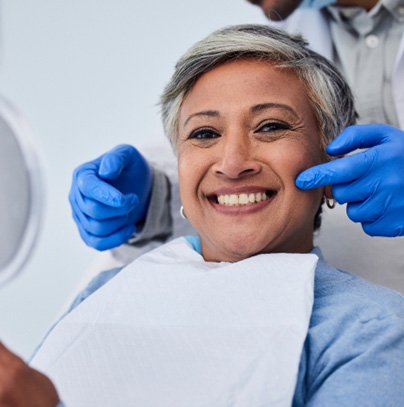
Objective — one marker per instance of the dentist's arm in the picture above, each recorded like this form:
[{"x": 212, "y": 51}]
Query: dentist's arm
[
  {"x": 22, "y": 386},
  {"x": 371, "y": 182},
  {"x": 110, "y": 196}
]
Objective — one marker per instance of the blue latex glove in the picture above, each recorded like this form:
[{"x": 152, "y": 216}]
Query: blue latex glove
[
  {"x": 371, "y": 182},
  {"x": 110, "y": 195}
]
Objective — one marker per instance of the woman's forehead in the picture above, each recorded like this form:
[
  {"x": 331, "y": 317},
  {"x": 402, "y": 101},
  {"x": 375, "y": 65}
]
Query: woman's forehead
[{"x": 243, "y": 84}]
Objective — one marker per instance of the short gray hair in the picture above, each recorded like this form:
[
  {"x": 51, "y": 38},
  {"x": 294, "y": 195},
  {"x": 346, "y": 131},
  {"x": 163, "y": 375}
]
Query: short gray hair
[{"x": 330, "y": 95}]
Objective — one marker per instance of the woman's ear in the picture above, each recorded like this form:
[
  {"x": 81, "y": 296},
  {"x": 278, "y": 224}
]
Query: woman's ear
[{"x": 329, "y": 199}]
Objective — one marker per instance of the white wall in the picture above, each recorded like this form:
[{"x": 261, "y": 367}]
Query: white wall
[{"x": 87, "y": 74}]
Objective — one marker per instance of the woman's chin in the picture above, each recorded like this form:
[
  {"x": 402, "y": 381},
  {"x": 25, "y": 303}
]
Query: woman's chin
[
  {"x": 232, "y": 247},
  {"x": 232, "y": 250}
]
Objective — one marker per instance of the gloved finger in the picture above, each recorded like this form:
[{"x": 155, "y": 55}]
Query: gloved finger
[
  {"x": 341, "y": 170},
  {"x": 369, "y": 210},
  {"x": 101, "y": 228},
  {"x": 383, "y": 227},
  {"x": 355, "y": 191},
  {"x": 99, "y": 211},
  {"x": 91, "y": 186},
  {"x": 359, "y": 136},
  {"x": 106, "y": 242},
  {"x": 115, "y": 161}
]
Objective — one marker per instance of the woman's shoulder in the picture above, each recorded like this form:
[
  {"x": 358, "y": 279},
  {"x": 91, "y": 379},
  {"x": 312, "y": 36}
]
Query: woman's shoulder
[
  {"x": 96, "y": 283},
  {"x": 344, "y": 292},
  {"x": 350, "y": 312},
  {"x": 355, "y": 345}
]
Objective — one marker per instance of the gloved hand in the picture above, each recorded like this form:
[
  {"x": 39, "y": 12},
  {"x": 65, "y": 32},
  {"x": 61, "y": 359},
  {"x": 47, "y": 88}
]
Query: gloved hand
[
  {"x": 110, "y": 195},
  {"x": 371, "y": 182}
]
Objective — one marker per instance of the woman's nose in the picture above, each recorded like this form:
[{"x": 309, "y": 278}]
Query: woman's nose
[{"x": 236, "y": 159}]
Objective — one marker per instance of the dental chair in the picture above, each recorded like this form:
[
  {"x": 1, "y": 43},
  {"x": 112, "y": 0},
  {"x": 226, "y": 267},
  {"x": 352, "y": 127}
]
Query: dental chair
[{"x": 20, "y": 192}]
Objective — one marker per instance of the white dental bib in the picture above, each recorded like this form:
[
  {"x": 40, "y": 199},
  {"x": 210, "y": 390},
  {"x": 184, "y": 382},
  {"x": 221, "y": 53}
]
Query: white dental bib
[{"x": 173, "y": 330}]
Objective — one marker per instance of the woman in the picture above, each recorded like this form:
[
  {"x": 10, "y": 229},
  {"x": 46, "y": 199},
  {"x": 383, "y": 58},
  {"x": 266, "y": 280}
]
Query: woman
[{"x": 247, "y": 109}]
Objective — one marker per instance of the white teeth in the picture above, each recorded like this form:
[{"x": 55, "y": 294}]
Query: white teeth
[
  {"x": 233, "y": 199},
  {"x": 241, "y": 199}
]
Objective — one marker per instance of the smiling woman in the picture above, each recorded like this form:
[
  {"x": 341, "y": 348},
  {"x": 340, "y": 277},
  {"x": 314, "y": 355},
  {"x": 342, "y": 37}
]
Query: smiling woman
[
  {"x": 232, "y": 316},
  {"x": 247, "y": 112},
  {"x": 251, "y": 147}
]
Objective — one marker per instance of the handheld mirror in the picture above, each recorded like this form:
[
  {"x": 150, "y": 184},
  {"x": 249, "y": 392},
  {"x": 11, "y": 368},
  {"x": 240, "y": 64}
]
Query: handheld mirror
[{"x": 20, "y": 192}]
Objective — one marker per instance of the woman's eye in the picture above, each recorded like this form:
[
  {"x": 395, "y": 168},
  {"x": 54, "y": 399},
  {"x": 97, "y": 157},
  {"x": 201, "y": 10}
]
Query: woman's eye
[
  {"x": 273, "y": 126},
  {"x": 203, "y": 134}
]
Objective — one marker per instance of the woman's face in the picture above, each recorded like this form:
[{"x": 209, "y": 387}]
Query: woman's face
[{"x": 246, "y": 129}]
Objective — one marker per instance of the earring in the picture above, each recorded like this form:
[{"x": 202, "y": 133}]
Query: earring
[
  {"x": 330, "y": 202},
  {"x": 182, "y": 213}
]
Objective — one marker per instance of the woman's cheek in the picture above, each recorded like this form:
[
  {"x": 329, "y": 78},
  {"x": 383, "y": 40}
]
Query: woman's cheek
[
  {"x": 303, "y": 158},
  {"x": 189, "y": 177},
  {"x": 182, "y": 178}
]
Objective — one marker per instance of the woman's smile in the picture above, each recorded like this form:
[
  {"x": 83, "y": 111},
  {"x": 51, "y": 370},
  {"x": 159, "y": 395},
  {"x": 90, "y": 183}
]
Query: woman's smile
[{"x": 241, "y": 200}]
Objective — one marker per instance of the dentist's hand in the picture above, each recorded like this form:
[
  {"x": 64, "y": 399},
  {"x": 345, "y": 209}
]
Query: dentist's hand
[
  {"x": 22, "y": 386},
  {"x": 371, "y": 182},
  {"x": 110, "y": 195}
]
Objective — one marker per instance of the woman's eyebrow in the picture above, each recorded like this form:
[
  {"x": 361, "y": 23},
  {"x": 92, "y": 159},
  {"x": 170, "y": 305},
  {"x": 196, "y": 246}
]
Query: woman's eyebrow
[
  {"x": 253, "y": 109},
  {"x": 208, "y": 113},
  {"x": 264, "y": 106}
]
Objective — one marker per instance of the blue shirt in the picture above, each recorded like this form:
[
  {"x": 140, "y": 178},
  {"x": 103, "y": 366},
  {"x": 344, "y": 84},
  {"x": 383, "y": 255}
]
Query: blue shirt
[{"x": 354, "y": 350}]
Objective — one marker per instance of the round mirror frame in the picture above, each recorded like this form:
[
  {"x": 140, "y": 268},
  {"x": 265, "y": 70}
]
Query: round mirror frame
[{"x": 23, "y": 135}]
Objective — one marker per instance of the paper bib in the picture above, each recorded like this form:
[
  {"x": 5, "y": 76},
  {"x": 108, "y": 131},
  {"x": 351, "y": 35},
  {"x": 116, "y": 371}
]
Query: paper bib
[{"x": 173, "y": 330}]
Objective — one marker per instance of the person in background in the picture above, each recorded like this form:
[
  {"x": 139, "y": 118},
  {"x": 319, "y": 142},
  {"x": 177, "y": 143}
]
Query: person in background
[{"x": 120, "y": 198}]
